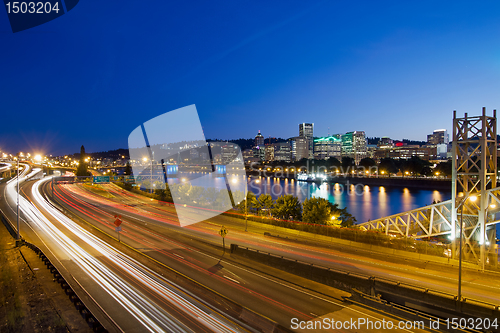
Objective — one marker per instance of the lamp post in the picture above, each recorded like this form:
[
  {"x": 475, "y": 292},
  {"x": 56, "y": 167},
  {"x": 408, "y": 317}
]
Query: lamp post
[{"x": 472, "y": 198}]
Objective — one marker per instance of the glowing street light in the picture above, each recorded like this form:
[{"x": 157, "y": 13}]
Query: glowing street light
[
  {"x": 461, "y": 205},
  {"x": 38, "y": 158}
]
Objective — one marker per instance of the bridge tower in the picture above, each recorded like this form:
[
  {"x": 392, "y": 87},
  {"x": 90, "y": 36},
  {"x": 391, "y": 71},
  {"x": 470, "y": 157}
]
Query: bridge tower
[{"x": 474, "y": 172}]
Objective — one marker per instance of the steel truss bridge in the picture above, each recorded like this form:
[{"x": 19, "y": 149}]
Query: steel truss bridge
[
  {"x": 471, "y": 214},
  {"x": 436, "y": 220}
]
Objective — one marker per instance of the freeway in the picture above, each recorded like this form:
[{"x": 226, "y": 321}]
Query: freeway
[
  {"x": 160, "y": 219},
  {"x": 155, "y": 232},
  {"x": 132, "y": 297}
]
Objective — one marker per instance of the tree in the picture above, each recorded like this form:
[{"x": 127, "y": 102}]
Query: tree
[
  {"x": 348, "y": 164},
  {"x": 81, "y": 170},
  {"x": 414, "y": 165},
  {"x": 162, "y": 191},
  {"x": 223, "y": 201},
  {"x": 287, "y": 207},
  {"x": 316, "y": 210},
  {"x": 341, "y": 217},
  {"x": 128, "y": 169},
  {"x": 347, "y": 219},
  {"x": 334, "y": 162},
  {"x": 367, "y": 162},
  {"x": 209, "y": 196},
  {"x": 250, "y": 199},
  {"x": 264, "y": 203},
  {"x": 426, "y": 171},
  {"x": 388, "y": 166},
  {"x": 444, "y": 168}
]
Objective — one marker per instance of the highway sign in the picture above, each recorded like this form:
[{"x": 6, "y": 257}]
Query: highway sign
[
  {"x": 129, "y": 179},
  {"x": 118, "y": 229},
  {"x": 101, "y": 179},
  {"x": 118, "y": 220},
  {"x": 223, "y": 232}
]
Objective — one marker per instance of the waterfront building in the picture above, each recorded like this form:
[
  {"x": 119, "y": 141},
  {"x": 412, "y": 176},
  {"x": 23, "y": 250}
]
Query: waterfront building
[
  {"x": 327, "y": 147},
  {"x": 439, "y": 136},
  {"x": 301, "y": 145},
  {"x": 259, "y": 152},
  {"x": 282, "y": 152},
  {"x": 354, "y": 145},
  {"x": 406, "y": 152},
  {"x": 385, "y": 143},
  {"x": 229, "y": 152},
  {"x": 306, "y": 130},
  {"x": 269, "y": 152}
]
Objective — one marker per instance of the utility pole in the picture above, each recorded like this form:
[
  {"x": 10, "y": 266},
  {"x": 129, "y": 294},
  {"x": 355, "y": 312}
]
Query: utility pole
[{"x": 460, "y": 257}]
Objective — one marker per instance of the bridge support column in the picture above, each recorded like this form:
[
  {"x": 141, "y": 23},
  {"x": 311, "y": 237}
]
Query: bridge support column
[{"x": 474, "y": 172}]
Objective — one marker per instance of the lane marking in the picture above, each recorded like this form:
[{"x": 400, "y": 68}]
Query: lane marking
[{"x": 227, "y": 277}]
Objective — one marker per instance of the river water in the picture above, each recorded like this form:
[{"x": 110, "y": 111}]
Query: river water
[{"x": 362, "y": 201}]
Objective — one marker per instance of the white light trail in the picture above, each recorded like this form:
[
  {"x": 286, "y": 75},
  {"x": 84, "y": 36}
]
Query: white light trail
[{"x": 141, "y": 307}]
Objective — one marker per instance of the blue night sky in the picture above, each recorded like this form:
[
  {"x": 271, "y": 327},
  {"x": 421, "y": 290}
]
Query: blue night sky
[{"x": 389, "y": 68}]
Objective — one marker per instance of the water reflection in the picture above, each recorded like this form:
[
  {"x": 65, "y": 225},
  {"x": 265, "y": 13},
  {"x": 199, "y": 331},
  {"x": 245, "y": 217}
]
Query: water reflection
[{"x": 364, "y": 202}]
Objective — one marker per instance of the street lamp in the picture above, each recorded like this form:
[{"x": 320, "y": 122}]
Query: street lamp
[{"x": 461, "y": 204}]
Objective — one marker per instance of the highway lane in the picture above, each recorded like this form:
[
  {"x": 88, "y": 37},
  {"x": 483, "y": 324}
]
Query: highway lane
[
  {"x": 174, "y": 246},
  {"x": 150, "y": 302},
  {"x": 137, "y": 207}
]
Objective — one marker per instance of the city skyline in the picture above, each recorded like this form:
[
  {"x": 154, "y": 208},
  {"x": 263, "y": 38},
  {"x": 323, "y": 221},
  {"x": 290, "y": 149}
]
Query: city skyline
[{"x": 390, "y": 69}]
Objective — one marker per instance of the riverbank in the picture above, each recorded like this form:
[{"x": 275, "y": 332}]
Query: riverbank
[{"x": 443, "y": 184}]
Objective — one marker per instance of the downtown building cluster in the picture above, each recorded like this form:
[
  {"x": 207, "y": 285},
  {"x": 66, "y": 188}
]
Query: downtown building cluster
[{"x": 351, "y": 144}]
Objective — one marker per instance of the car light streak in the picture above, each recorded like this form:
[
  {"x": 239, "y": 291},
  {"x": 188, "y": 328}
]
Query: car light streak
[
  {"x": 142, "y": 308},
  {"x": 191, "y": 262}
]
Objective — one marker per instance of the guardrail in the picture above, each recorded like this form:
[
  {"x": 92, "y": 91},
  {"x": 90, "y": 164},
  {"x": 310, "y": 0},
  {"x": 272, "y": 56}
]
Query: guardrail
[
  {"x": 80, "y": 306},
  {"x": 431, "y": 301}
]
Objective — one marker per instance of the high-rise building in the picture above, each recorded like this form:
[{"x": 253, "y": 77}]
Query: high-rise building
[
  {"x": 259, "y": 140},
  {"x": 306, "y": 130},
  {"x": 229, "y": 152},
  {"x": 385, "y": 143},
  {"x": 354, "y": 145},
  {"x": 302, "y": 148},
  {"x": 279, "y": 151},
  {"x": 269, "y": 152},
  {"x": 327, "y": 147},
  {"x": 259, "y": 152},
  {"x": 439, "y": 136}
]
